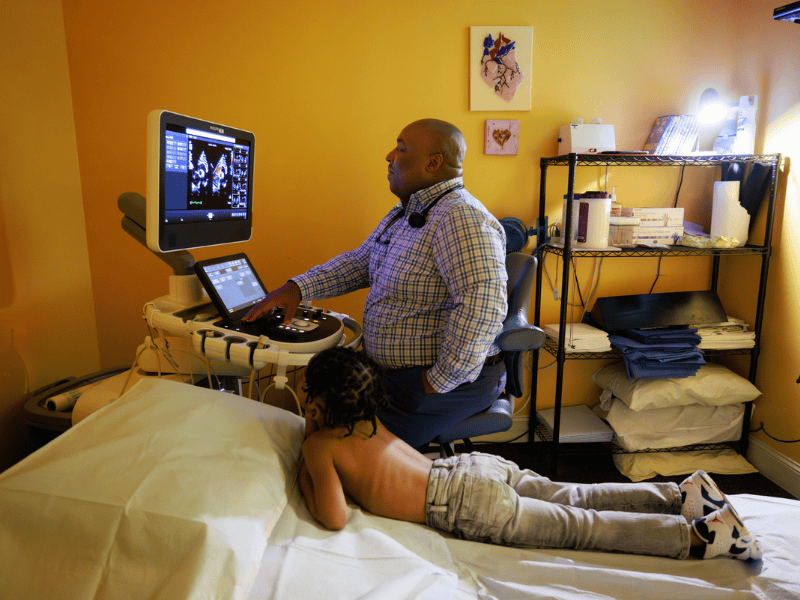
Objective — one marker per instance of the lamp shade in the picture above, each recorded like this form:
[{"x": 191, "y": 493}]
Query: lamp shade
[{"x": 711, "y": 108}]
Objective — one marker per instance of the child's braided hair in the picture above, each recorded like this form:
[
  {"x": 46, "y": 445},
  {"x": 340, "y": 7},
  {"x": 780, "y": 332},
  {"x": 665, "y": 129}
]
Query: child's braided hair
[{"x": 351, "y": 384}]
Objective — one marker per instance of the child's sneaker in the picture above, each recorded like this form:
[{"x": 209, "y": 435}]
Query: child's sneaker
[
  {"x": 724, "y": 534},
  {"x": 701, "y": 496}
]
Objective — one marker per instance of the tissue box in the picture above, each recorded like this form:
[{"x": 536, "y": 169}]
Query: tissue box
[
  {"x": 586, "y": 138},
  {"x": 655, "y": 217}
]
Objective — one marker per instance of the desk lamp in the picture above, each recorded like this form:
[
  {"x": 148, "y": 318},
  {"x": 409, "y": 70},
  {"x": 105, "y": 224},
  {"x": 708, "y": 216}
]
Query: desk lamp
[{"x": 711, "y": 107}]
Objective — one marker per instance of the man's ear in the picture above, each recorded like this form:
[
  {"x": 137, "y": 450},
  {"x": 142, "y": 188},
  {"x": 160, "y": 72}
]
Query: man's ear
[{"x": 434, "y": 162}]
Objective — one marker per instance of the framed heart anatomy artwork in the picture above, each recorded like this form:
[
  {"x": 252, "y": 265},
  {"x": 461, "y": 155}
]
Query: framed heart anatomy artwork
[
  {"x": 500, "y": 65},
  {"x": 502, "y": 137}
]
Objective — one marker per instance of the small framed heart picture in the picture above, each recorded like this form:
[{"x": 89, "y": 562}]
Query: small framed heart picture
[{"x": 502, "y": 137}]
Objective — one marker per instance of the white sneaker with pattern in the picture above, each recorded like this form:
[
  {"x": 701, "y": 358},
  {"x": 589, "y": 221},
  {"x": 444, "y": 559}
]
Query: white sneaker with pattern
[
  {"x": 724, "y": 534},
  {"x": 701, "y": 496}
]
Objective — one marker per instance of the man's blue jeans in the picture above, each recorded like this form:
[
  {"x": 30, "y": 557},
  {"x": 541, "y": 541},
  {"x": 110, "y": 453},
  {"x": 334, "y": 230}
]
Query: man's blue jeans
[
  {"x": 417, "y": 417},
  {"x": 486, "y": 498}
]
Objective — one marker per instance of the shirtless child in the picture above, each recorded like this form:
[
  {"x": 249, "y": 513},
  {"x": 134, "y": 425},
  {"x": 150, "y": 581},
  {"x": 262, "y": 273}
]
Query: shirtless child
[{"x": 480, "y": 497}]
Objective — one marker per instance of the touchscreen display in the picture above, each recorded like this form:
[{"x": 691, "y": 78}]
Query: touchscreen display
[{"x": 236, "y": 284}]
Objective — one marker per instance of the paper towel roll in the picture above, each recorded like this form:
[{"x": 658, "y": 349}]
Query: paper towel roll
[
  {"x": 728, "y": 217},
  {"x": 63, "y": 402}
]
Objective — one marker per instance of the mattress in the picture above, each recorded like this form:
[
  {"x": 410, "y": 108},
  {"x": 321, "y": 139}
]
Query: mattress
[{"x": 178, "y": 492}]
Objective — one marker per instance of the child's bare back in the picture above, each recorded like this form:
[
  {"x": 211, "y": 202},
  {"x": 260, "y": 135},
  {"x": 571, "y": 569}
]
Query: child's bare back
[{"x": 381, "y": 473}]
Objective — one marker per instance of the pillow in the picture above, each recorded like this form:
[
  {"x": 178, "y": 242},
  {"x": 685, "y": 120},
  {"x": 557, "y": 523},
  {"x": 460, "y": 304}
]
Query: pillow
[
  {"x": 169, "y": 492},
  {"x": 713, "y": 385},
  {"x": 673, "y": 426},
  {"x": 638, "y": 467}
]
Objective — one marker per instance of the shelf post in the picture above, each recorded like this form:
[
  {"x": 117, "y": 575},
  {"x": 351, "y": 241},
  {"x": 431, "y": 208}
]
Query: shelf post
[
  {"x": 537, "y": 309},
  {"x": 566, "y": 236}
]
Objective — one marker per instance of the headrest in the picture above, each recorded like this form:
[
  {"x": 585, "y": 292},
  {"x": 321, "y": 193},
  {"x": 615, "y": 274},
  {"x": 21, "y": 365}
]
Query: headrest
[{"x": 516, "y": 234}]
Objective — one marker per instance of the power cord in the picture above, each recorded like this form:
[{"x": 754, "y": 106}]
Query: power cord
[
  {"x": 130, "y": 372},
  {"x": 291, "y": 391},
  {"x": 594, "y": 282},
  {"x": 658, "y": 274},
  {"x": 263, "y": 342},
  {"x": 772, "y": 437},
  {"x": 680, "y": 184}
]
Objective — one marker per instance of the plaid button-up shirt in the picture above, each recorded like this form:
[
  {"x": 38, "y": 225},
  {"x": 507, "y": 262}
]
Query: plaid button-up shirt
[{"x": 437, "y": 293}]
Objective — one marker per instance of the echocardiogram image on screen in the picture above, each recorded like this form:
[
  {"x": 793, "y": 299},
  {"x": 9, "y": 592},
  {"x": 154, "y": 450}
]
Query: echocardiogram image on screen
[
  {"x": 206, "y": 174},
  {"x": 210, "y": 174}
]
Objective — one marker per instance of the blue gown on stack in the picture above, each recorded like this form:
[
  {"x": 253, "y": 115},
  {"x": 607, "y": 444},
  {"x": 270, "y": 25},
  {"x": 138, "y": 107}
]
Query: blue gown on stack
[{"x": 659, "y": 353}]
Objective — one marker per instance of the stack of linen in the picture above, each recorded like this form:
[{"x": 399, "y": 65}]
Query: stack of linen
[
  {"x": 580, "y": 337},
  {"x": 659, "y": 353},
  {"x": 660, "y": 414},
  {"x": 731, "y": 334},
  {"x": 579, "y": 425}
]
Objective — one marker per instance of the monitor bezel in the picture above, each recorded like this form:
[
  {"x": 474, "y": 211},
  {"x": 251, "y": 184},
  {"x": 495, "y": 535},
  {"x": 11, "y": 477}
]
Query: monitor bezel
[{"x": 169, "y": 237}]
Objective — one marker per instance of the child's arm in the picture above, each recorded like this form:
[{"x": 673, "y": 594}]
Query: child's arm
[
  {"x": 306, "y": 485},
  {"x": 321, "y": 486}
]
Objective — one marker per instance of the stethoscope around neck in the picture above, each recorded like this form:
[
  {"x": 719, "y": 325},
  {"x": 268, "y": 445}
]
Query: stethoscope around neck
[{"x": 416, "y": 220}]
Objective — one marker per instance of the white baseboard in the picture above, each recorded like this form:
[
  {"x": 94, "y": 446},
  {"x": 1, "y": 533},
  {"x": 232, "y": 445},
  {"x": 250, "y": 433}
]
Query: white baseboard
[{"x": 775, "y": 466}]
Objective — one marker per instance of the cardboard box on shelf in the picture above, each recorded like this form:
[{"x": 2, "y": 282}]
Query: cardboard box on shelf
[
  {"x": 659, "y": 235},
  {"x": 655, "y": 217}
]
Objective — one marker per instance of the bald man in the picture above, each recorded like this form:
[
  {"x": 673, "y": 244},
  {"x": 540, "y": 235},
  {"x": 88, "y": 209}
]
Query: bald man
[{"x": 435, "y": 266}]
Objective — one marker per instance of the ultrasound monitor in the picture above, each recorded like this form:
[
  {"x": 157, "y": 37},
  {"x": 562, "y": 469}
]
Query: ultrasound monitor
[{"x": 199, "y": 183}]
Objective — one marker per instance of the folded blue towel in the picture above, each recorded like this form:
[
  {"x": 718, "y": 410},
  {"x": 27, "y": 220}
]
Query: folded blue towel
[
  {"x": 637, "y": 370},
  {"x": 625, "y": 343},
  {"x": 654, "y": 361},
  {"x": 657, "y": 336}
]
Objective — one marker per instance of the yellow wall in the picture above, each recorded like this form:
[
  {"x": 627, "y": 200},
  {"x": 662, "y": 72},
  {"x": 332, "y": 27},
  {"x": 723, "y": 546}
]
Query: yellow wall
[
  {"x": 772, "y": 67},
  {"x": 326, "y": 87},
  {"x": 47, "y": 320}
]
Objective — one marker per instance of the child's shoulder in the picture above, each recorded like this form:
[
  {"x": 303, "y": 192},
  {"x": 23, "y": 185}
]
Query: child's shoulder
[
  {"x": 341, "y": 436},
  {"x": 326, "y": 436}
]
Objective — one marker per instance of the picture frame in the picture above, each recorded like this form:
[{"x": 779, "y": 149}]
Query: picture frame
[
  {"x": 501, "y": 137},
  {"x": 500, "y": 67}
]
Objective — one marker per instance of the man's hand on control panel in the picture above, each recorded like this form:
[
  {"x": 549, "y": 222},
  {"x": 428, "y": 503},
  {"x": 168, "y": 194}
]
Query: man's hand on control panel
[{"x": 284, "y": 301}]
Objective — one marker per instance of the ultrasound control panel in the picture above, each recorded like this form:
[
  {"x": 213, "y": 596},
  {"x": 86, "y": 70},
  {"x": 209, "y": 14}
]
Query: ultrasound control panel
[
  {"x": 254, "y": 345},
  {"x": 309, "y": 325}
]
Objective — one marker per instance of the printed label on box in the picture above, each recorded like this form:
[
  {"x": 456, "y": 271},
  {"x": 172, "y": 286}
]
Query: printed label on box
[
  {"x": 659, "y": 235},
  {"x": 656, "y": 217}
]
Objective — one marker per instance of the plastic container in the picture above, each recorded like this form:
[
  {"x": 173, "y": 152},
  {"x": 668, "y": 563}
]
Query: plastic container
[
  {"x": 594, "y": 214},
  {"x": 564, "y": 228},
  {"x": 623, "y": 231},
  {"x": 616, "y": 207},
  {"x": 590, "y": 214}
]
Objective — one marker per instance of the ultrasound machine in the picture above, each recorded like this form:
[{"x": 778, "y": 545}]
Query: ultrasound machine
[{"x": 200, "y": 193}]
